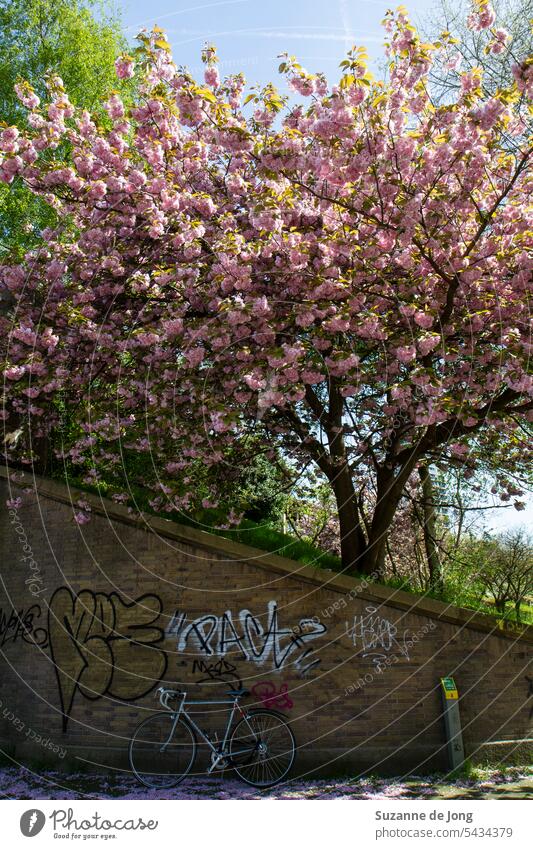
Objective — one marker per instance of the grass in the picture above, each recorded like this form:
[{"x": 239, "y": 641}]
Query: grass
[
  {"x": 259, "y": 535},
  {"x": 526, "y": 611},
  {"x": 267, "y": 538}
]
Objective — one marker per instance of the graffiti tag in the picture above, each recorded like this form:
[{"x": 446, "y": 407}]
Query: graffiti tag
[
  {"x": 219, "y": 670},
  {"x": 376, "y": 636},
  {"x": 101, "y": 645},
  {"x": 20, "y": 624},
  {"x": 216, "y": 636},
  {"x": 267, "y": 693}
]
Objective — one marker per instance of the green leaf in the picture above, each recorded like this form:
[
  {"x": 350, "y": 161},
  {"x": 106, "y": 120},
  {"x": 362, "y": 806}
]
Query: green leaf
[{"x": 206, "y": 94}]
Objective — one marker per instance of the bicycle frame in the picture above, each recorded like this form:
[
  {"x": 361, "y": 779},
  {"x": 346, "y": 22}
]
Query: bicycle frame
[{"x": 220, "y": 752}]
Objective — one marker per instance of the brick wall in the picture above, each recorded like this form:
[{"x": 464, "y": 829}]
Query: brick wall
[{"x": 94, "y": 617}]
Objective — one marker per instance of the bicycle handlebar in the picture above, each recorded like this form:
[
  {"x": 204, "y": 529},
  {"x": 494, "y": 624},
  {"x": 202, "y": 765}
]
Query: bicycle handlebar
[{"x": 166, "y": 695}]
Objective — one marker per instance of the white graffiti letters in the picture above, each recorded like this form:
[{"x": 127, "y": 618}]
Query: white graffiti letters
[
  {"x": 246, "y": 636},
  {"x": 376, "y": 636}
]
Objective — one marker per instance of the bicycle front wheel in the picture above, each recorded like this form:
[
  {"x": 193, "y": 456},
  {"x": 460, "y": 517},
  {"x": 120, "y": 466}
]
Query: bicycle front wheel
[
  {"x": 161, "y": 757},
  {"x": 262, "y": 748}
]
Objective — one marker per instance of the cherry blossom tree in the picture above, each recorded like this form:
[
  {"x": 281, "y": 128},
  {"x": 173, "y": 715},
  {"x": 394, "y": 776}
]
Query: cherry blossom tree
[{"x": 342, "y": 280}]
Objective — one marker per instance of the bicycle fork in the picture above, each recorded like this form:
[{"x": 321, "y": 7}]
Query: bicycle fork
[{"x": 170, "y": 736}]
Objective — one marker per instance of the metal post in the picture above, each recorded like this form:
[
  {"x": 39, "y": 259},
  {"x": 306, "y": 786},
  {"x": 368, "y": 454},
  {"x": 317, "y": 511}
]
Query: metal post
[{"x": 452, "y": 722}]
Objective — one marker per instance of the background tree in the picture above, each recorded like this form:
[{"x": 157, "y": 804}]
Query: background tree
[
  {"x": 510, "y": 42},
  {"x": 344, "y": 287},
  {"x": 498, "y": 568},
  {"x": 310, "y": 513}
]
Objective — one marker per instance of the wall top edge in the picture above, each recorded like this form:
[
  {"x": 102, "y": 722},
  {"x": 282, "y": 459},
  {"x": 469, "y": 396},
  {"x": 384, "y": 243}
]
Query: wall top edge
[{"x": 234, "y": 551}]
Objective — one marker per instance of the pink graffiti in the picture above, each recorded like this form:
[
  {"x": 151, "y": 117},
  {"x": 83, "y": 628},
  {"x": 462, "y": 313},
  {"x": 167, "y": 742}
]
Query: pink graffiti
[{"x": 266, "y": 692}]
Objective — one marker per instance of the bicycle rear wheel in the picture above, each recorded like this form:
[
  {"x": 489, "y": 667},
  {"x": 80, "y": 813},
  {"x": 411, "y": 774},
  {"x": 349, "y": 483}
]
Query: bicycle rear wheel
[
  {"x": 262, "y": 748},
  {"x": 159, "y": 768}
]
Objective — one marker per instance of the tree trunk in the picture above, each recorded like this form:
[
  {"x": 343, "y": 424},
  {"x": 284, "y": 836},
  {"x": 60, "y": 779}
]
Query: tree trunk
[
  {"x": 430, "y": 530},
  {"x": 499, "y": 604},
  {"x": 389, "y": 491},
  {"x": 390, "y": 487},
  {"x": 353, "y": 542}
]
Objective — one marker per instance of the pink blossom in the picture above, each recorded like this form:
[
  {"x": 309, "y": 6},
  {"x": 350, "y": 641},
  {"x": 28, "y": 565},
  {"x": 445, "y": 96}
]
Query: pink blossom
[
  {"x": 406, "y": 353},
  {"x": 15, "y": 372},
  {"x": 211, "y": 77},
  {"x": 499, "y": 42},
  {"x": 14, "y": 503},
  {"x": 458, "y": 449},
  {"x": 8, "y": 140},
  {"x": 454, "y": 61},
  {"x": 81, "y": 518},
  {"x": 124, "y": 66},
  {"x": 523, "y": 75},
  {"x": 173, "y": 327},
  {"x": 428, "y": 343},
  {"x": 10, "y": 168},
  {"x": 115, "y": 107},
  {"x": 470, "y": 81},
  {"x": 27, "y": 96},
  {"x": 423, "y": 319},
  {"x": 386, "y": 240},
  {"x": 489, "y": 113},
  {"x": 194, "y": 356},
  {"x": 253, "y": 382},
  {"x": 482, "y": 17},
  {"x": 302, "y": 83},
  {"x": 98, "y": 190}
]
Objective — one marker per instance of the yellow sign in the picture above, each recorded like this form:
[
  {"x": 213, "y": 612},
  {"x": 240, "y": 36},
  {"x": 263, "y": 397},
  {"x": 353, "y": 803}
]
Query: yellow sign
[{"x": 450, "y": 688}]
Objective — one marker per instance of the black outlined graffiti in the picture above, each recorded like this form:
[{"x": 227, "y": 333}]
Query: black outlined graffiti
[
  {"x": 20, "y": 624},
  {"x": 216, "y": 636},
  {"x": 176, "y": 624},
  {"x": 220, "y": 670},
  {"x": 101, "y": 645},
  {"x": 267, "y": 693}
]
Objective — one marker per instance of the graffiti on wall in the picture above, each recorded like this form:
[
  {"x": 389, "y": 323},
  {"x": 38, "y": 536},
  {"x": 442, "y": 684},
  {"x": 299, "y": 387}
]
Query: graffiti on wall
[
  {"x": 21, "y": 625},
  {"x": 101, "y": 645},
  {"x": 268, "y": 694},
  {"x": 375, "y": 636},
  {"x": 244, "y": 635},
  {"x": 213, "y": 671}
]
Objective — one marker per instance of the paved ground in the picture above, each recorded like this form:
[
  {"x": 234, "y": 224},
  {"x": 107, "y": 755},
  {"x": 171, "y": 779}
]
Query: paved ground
[{"x": 512, "y": 783}]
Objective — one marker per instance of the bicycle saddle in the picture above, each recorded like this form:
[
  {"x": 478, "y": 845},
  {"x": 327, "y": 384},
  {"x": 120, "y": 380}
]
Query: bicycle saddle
[{"x": 238, "y": 694}]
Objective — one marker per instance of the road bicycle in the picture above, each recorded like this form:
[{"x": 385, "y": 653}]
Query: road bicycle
[{"x": 260, "y": 747}]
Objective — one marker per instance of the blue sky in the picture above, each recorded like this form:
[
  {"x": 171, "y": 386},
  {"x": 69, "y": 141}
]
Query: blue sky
[{"x": 250, "y": 35}]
